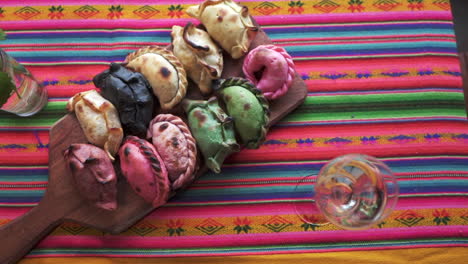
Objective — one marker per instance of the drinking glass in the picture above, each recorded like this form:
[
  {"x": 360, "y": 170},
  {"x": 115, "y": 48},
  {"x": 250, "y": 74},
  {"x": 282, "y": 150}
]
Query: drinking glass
[
  {"x": 29, "y": 97},
  {"x": 353, "y": 191}
]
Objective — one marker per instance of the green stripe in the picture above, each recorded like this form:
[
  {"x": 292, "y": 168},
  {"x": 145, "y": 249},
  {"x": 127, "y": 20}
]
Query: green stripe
[
  {"x": 372, "y": 106},
  {"x": 21, "y": 193},
  {"x": 272, "y": 171},
  {"x": 24, "y": 178},
  {"x": 228, "y": 189},
  {"x": 302, "y": 48},
  {"x": 52, "y": 112},
  {"x": 371, "y": 46},
  {"x": 267, "y": 248}
]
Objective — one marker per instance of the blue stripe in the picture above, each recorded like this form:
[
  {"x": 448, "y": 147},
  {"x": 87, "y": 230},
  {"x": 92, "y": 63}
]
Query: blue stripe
[
  {"x": 23, "y": 172},
  {"x": 398, "y": 166},
  {"x": 412, "y": 90},
  {"x": 286, "y": 123},
  {"x": 245, "y": 249},
  {"x": 13, "y": 200},
  {"x": 289, "y": 192},
  {"x": 119, "y": 55},
  {"x": 376, "y": 51}
]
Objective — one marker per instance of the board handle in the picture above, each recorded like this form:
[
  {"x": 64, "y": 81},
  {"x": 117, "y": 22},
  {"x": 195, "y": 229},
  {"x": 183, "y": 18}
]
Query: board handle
[{"x": 22, "y": 234}]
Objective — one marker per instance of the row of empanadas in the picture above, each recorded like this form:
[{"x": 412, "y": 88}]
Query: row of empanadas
[
  {"x": 126, "y": 104},
  {"x": 152, "y": 170},
  {"x": 238, "y": 109}
]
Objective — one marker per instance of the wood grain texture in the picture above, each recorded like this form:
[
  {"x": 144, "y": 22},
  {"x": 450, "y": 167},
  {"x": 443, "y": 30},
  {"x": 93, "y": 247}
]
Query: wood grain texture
[{"x": 63, "y": 202}]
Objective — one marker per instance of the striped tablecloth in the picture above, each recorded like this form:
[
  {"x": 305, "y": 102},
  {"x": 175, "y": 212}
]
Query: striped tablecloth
[{"x": 383, "y": 77}]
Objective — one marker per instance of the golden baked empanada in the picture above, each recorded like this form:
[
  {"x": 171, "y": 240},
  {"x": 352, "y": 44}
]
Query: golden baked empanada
[
  {"x": 228, "y": 23},
  {"x": 99, "y": 120},
  {"x": 201, "y": 57},
  {"x": 164, "y": 72}
]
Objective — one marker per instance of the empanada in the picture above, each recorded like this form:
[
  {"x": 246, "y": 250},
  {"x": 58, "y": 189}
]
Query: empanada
[
  {"x": 94, "y": 175},
  {"x": 144, "y": 170},
  {"x": 213, "y": 130},
  {"x": 248, "y": 108},
  {"x": 228, "y": 23},
  {"x": 201, "y": 57},
  {"x": 131, "y": 94},
  {"x": 164, "y": 72},
  {"x": 172, "y": 139},
  {"x": 98, "y": 119},
  {"x": 271, "y": 69}
]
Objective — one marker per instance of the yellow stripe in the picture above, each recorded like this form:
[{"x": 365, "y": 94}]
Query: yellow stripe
[
  {"x": 444, "y": 255},
  {"x": 156, "y": 227},
  {"x": 257, "y": 8}
]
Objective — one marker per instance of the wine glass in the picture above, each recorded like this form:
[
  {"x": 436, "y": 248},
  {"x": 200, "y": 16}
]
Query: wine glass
[{"x": 353, "y": 191}]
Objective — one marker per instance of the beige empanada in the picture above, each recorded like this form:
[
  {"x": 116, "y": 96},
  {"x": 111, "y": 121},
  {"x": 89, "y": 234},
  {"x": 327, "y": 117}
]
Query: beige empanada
[
  {"x": 201, "y": 57},
  {"x": 99, "y": 120},
  {"x": 163, "y": 71},
  {"x": 228, "y": 23}
]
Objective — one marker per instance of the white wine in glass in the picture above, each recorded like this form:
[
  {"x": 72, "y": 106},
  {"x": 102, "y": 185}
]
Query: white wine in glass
[{"x": 353, "y": 191}]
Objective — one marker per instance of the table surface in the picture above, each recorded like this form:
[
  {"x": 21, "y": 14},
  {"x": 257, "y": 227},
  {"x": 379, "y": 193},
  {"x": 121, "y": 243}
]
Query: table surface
[{"x": 384, "y": 79}]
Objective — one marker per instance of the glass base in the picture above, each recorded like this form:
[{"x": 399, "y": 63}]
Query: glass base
[{"x": 304, "y": 204}]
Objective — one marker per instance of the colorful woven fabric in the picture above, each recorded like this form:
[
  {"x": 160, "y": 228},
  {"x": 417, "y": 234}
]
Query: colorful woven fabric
[{"x": 383, "y": 79}]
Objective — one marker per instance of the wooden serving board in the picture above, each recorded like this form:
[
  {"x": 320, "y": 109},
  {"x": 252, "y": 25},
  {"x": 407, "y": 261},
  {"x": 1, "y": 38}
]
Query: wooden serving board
[{"x": 62, "y": 202}]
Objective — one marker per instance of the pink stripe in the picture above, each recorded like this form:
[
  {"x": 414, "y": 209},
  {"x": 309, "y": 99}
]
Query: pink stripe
[
  {"x": 383, "y": 83},
  {"x": 453, "y": 90},
  {"x": 172, "y": 212},
  {"x": 429, "y": 173},
  {"x": 360, "y": 22},
  {"x": 351, "y": 17},
  {"x": 322, "y": 161},
  {"x": 402, "y": 119},
  {"x": 80, "y": 46},
  {"x": 257, "y": 239},
  {"x": 262, "y": 20},
  {"x": 65, "y": 49},
  {"x": 201, "y": 183},
  {"x": 382, "y": 65},
  {"x": 94, "y": 23},
  {"x": 422, "y": 53},
  {"x": 366, "y": 41},
  {"x": 19, "y": 189},
  {"x": 27, "y": 127},
  {"x": 24, "y": 183},
  {"x": 234, "y": 183},
  {"x": 383, "y": 37}
]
